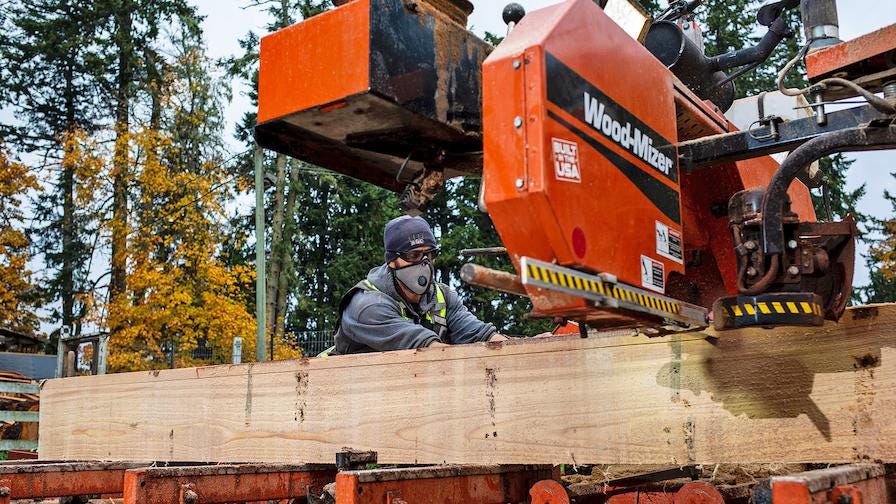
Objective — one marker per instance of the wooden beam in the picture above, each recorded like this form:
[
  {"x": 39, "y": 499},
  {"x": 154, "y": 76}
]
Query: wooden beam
[{"x": 785, "y": 395}]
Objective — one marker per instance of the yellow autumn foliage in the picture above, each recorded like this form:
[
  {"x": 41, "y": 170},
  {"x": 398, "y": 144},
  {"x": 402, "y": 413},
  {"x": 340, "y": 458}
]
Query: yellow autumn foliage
[
  {"x": 184, "y": 306},
  {"x": 81, "y": 155},
  {"x": 884, "y": 251},
  {"x": 15, "y": 278}
]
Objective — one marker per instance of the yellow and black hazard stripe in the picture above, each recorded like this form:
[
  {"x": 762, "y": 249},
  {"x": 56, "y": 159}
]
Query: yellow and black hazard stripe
[
  {"x": 552, "y": 276},
  {"x": 785, "y": 308}
]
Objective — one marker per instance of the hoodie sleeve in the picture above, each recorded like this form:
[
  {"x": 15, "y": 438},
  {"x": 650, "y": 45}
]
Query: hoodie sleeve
[
  {"x": 373, "y": 319},
  {"x": 463, "y": 326}
]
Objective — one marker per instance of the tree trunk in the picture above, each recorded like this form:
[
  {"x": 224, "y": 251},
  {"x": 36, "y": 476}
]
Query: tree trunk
[
  {"x": 289, "y": 234},
  {"x": 125, "y": 46},
  {"x": 68, "y": 211},
  {"x": 323, "y": 232},
  {"x": 155, "y": 89},
  {"x": 277, "y": 244}
]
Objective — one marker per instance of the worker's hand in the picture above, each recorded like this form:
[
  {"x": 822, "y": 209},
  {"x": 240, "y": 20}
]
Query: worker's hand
[{"x": 498, "y": 337}]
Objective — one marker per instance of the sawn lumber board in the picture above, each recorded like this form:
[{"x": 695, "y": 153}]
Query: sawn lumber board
[{"x": 784, "y": 395}]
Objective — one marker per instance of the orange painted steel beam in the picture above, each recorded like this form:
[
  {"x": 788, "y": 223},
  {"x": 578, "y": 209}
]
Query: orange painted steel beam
[
  {"x": 39, "y": 480},
  {"x": 443, "y": 484},
  {"x": 856, "y": 484},
  {"x": 826, "y": 62},
  {"x": 223, "y": 483}
]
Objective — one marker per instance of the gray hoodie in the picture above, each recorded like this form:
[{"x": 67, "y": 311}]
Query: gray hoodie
[{"x": 372, "y": 321}]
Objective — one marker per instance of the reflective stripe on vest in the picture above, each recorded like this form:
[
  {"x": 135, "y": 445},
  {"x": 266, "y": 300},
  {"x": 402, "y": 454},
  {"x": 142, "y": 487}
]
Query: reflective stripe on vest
[{"x": 441, "y": 306}]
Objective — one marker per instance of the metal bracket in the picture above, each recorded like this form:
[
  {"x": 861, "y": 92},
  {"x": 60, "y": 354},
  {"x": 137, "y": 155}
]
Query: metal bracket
[
  {"x": 713, "y": 150},
  {"x": 351, "y": 460}
]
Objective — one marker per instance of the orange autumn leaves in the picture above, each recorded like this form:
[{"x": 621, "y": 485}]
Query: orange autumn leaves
[
  {"x": 16, "y": 288},
  {"x": 181, "y": 298}
]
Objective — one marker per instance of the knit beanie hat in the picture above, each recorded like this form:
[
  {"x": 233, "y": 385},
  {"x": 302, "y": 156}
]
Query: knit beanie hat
[{"x": 405, "y": 233}]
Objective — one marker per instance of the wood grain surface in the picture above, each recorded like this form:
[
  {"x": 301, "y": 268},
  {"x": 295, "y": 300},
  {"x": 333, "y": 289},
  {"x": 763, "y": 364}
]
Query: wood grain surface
[{"x": 784, "y": 395}]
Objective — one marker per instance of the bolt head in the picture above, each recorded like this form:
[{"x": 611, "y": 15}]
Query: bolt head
[
  {"x": 518, "y": 122},
  {"x": 191, "y": 497},
  {"x": 792, "y": 244},
  {"x": 516, "y": 64},
  {"x": 520, "y": 183},
  {"x": 751, "y": 271},
  {"x": 751, "y": 245},
  {"x": 793, "y": 270}
]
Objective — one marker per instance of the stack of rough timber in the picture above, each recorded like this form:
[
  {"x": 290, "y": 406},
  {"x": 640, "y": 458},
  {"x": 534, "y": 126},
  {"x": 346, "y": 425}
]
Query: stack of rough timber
[{"x": 15, "y": 401}]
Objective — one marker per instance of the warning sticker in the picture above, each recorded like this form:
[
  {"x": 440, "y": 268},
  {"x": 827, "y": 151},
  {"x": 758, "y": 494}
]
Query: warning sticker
[
  {"x": 566, "y": 160},
  {"x": 668, "y": 243},
  {"x": 653, "y": 274}
]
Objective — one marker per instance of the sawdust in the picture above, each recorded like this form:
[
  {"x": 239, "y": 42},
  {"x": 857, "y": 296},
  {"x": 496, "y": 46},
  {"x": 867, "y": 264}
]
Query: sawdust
[{"x": 722, "y": 475}]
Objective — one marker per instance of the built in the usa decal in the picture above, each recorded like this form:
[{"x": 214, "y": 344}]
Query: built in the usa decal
[{"x": 566, "y": 160}]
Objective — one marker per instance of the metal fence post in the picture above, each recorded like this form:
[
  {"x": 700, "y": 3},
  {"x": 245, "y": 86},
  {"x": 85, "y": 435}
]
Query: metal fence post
[
  {"x": 237, "y": 350},
  {"x": 102, "y": 354},
  {"x": 64, "y": 333},
  {"x": 260, "y": 302}
]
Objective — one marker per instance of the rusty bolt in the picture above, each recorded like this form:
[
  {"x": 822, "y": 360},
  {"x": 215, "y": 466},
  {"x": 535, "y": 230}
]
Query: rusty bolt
[
  {"x": 793, "y": 270},
  {"x": 191, "y": 497},
  {"x": 750, "y": 245},
  {"x": 5, "y": 491},
  {"x": 792, "y": 244},
  {"x": 751, "y": 271}
]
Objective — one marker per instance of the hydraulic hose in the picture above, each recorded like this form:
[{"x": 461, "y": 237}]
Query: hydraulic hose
[
  {"x": 848, "y": 140},
  {"x": 758, "y": 53}
]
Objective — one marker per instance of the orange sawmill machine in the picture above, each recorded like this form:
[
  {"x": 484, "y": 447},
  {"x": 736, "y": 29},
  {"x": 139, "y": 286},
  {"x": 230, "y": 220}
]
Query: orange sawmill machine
[{"x": 623, "y": 194}]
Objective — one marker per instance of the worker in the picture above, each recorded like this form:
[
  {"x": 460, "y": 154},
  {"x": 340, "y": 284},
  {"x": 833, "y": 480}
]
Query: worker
[{"x": 400, "y": 305}]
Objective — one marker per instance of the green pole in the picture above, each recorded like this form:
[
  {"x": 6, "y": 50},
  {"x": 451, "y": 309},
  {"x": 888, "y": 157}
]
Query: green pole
[{"x": 260, "y": 302}]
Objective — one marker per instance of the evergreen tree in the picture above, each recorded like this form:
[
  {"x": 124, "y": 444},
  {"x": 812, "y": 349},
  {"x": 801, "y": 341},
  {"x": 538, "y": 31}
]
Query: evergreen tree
[
  {"x": 51, "y": 79},
  {"x": 340, "y": 225}
]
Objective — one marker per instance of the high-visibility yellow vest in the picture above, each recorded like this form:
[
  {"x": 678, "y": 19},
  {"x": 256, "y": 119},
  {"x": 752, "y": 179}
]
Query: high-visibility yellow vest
[{"x": 436, "y": 318}]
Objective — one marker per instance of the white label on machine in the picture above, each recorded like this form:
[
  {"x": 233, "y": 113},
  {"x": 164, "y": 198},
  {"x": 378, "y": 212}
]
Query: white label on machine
[
  {"x": 653, "y": 274},
  {"x": 566, "y": 160},
  {"x": 668, "y": 242}
]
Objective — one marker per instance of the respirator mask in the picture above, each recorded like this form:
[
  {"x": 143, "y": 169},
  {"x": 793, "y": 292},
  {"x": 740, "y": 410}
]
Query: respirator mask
[{"x": 416, "y": 277}]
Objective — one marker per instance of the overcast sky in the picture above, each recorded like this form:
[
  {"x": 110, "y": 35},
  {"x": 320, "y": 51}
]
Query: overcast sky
[{"x": 227, "y": 21}]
